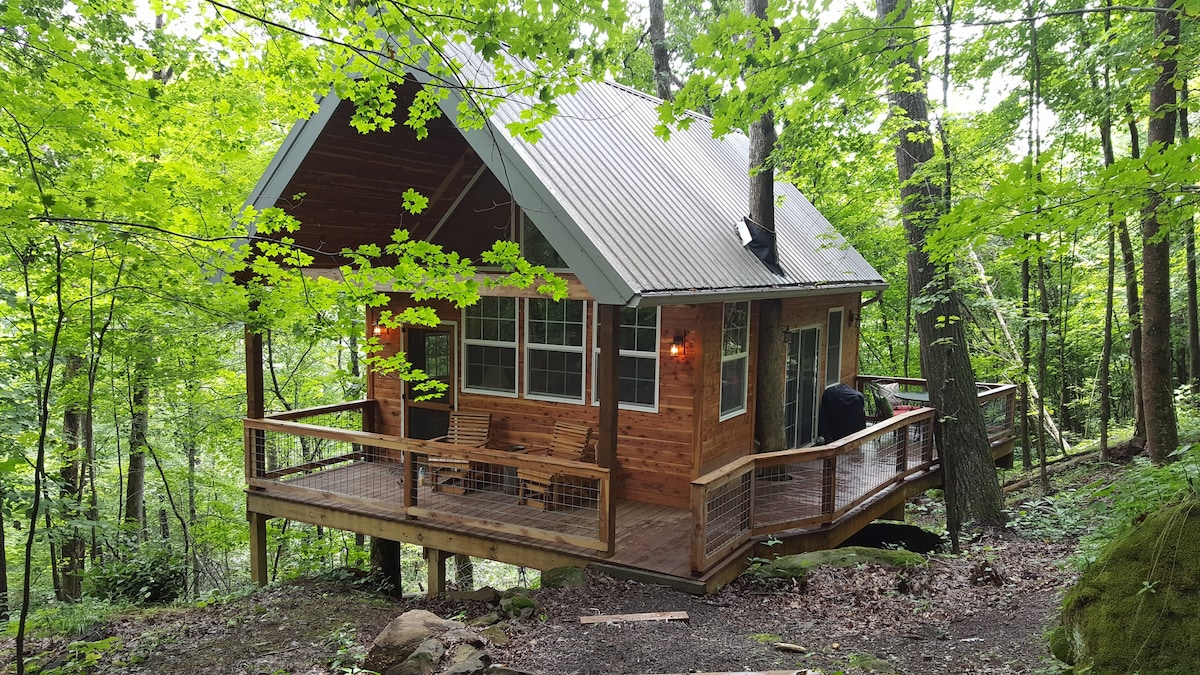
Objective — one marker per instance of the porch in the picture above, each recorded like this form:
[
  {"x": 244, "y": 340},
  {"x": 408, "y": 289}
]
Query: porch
[{"x": 326, "y": 466}]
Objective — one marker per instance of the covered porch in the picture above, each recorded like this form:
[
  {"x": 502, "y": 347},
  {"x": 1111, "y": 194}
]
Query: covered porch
[{"x": 328, "y": 466}]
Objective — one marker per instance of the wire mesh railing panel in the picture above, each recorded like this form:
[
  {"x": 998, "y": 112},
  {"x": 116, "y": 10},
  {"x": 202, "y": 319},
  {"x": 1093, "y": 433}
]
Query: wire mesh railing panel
[
  {"x": 787, "y": 493},
  {"x": 727, "y": 519},
  {"x": 867, "y": 465},
  {"x": 997, "y": 415},
  {"x": 335, "y": 467},
  {"x": 920, "y": 449},
  {"x": 514, "y": 495}
]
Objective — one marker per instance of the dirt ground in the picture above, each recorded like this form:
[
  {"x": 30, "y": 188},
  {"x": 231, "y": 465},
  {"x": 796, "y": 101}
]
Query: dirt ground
[{"x": 985, "y": 611}]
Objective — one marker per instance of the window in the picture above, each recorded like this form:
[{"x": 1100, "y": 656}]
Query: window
[
  {"x": 735, "y": 350},
  {"x": 555, "y": 349},
  {"x": 637, "y": 367},
  {"x": 536, "y": 249},
  {"x": 490, "y": 346},
  {"x": 833, "y": 350}
]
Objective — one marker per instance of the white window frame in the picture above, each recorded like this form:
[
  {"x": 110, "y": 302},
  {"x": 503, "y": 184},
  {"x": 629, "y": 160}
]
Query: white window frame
[
  {"x": 581, "y": 350},
  {"x": 514, "y": 345},
  {"x": 837, "y": 378},
  {"x": 657, "y": 356},
  {"x": 744, "y": 355}
]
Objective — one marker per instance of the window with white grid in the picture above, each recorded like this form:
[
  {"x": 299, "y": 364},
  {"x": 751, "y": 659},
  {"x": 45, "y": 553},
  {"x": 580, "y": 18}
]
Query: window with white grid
[
  {"x": 735, "y": 356},
  {"x": 554, "y": 349},
  {"x": 637, "y": 369},
  {"x": 490, "y": 346}
]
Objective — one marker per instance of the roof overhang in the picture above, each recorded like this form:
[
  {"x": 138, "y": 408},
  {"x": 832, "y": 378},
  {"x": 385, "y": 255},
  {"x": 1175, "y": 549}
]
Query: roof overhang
[{"x": 698, "y": 296}]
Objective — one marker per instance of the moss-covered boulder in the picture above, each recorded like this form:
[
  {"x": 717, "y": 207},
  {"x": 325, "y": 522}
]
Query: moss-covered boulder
[
  {"x": 797, "y": 566},
  {"x": 564, "y": 577},
  {"x": 1137, "y": 608}
]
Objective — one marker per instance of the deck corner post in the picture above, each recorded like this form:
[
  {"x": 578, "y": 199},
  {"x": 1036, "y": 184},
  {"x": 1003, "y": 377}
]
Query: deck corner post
[
  {"x": 608, "y": 340},
  {"x": 436, "y": 563},
  {"x": 258, "y": 547}
]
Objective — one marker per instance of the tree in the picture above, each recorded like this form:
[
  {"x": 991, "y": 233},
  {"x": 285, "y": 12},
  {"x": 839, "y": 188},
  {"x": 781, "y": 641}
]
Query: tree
[
  {"x": 972, "y": 492},
  {"x": 1158, "y": 394}
]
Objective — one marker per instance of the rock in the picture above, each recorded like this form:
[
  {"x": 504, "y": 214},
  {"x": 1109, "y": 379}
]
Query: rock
[
  {"x": 400, "y": 638},
  {"x": 1060, "y": 645},
  {"x": 465, "y": 636},
  {"x": 1135, "y": 609},
  {"x": 485, "y": 594},
  {"x": 496, "y": 634},
  {"x": 518, "y": 607},
  {"x": 485, "y": 620},
  {"x": 909, "y": 537},
  {"x": 797, "y": 566},
  {"x": 564, "y": 577},
  {"x": 468, "y": 661},
  {"x": 423, "y": 661},
  {"x": 516, "y": 590}
]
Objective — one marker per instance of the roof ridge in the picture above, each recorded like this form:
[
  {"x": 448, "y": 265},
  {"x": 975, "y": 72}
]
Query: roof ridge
[{"x": 651, "y": 98}]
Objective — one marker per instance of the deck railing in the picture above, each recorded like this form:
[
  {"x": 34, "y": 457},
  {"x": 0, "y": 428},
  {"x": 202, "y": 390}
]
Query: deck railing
[
  {"x": 362, "y": 471},
  {"x": 808, "y": 487},
  {"x": 812, "y": 487}
]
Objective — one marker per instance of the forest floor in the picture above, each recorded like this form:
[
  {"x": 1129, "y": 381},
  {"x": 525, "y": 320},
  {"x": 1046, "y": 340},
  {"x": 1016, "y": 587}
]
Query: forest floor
[{"x": 984, "y": 611}]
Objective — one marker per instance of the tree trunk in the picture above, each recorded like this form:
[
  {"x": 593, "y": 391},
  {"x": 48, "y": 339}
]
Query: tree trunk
[
  {"x": 1189, "y": 239},
  {"x": 972, "y": 491},
  {"x": 464, "y": 572},
  {"x": 1133, "y": 307},
  {"x": 769, "y": 376},
  {"x": 135, "y": 514},
  {"x": 73, "y": 548},
  {"x": 386, "y": 561},
  {"x": 658, "y": 49},
  {"x": 1026, "y": 381},
  {"x": 4, "y": 606},
  {"x": 1158, "y": 396},
  {"x": 1043, "y": 338}
]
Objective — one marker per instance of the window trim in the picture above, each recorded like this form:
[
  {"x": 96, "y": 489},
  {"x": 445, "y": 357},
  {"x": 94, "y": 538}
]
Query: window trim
[
  {"x": 581, "y": 350},
  {"x": 515, "y": 345},
  {"x": 624, "y": 405},
  {"x": 841, "y": 311},
  {"x": 744, "y": 356}
]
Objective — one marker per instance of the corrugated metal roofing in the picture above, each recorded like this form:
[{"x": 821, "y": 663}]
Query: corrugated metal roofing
[{"x": 662, "y": 214}]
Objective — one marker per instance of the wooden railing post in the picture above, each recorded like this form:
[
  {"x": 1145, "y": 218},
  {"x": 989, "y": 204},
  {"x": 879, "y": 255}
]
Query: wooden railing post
[
  {"x": 608, "y": 338},
  {"x": 828, "y": 484},
  {"x": 699, "y": 526}
]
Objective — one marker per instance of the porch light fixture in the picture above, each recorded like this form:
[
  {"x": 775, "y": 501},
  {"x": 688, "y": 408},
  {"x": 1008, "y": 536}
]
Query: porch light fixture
[
  {"x": 379, "y": 331},
  {"x": 678, "y": 344}
]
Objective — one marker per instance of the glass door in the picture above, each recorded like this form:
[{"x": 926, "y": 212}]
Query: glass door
[
  {"x": 432, "y": 351},
  {"x": 801, "y": 386}
]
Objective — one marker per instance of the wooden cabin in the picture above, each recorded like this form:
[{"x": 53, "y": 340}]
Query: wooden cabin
[{"x": 614, "y": 427}]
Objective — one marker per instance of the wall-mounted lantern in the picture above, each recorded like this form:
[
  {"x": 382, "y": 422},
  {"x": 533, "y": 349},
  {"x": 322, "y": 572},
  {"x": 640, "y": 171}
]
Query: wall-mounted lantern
[{"x": 678, "y": 345}]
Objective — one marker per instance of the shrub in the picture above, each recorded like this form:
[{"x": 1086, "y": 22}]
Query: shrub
[{"x": 151, "y": 574}]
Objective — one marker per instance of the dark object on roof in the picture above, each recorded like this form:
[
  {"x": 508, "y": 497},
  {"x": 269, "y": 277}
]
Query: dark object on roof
[
  {"x": 762, "y": 245},
  {"x": 842, "y": 413}
]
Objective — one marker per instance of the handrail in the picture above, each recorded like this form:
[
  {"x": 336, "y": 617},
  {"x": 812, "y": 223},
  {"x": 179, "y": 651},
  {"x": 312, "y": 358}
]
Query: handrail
[
  {"x": 406, "y": 459},
  {"x": 293, "y": 415},
  {"x": 773, "y": 492}
]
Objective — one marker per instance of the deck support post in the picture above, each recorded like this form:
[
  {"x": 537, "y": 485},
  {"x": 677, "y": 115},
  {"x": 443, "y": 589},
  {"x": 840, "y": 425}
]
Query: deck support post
[
  {"x": 609, "y": 342},
  {"x": 895, "y": 513},
  {"x": 436, "y": 562},
  {"x": 258, "y": 547}
]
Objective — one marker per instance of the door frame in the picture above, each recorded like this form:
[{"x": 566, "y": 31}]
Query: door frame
[
  {"x": 817, "y": 379},
  {"x": 452, "y": 327}
]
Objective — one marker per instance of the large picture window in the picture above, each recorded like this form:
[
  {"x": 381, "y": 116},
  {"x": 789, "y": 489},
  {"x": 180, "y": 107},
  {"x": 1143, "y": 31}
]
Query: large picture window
[
  {"x": 735, "y": 355},
  {"x": 637, "y": 367},
  {"x": 833, "y": 350},
  {"x": 555, "y": 349},
  {"x": 490, "y": 346}
]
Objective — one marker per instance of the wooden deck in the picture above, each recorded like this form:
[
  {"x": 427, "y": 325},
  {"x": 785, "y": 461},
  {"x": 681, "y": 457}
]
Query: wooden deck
[{"x": 809, "y": 498}]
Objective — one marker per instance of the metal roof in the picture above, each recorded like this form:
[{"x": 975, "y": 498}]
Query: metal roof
[
  {"x": 662, "y": 214},
  {"x": 640, "y": 220}
]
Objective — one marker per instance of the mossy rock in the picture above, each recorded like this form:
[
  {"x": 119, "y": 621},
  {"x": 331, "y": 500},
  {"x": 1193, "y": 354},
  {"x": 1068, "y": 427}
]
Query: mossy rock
[
  {"x": 1137, "y": 608},
  {"x": 564, "y": 577},
  {"x": 518, "y": 607},
  {"x": 797, "y": 566},
  {"x": 1060, "y": 645}
]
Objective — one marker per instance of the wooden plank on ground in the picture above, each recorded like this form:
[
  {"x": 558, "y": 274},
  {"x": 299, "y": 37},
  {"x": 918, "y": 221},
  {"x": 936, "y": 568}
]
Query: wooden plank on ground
[
  {"x": 644, "y": 616},
  {"x": 759, "y": 672}
]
